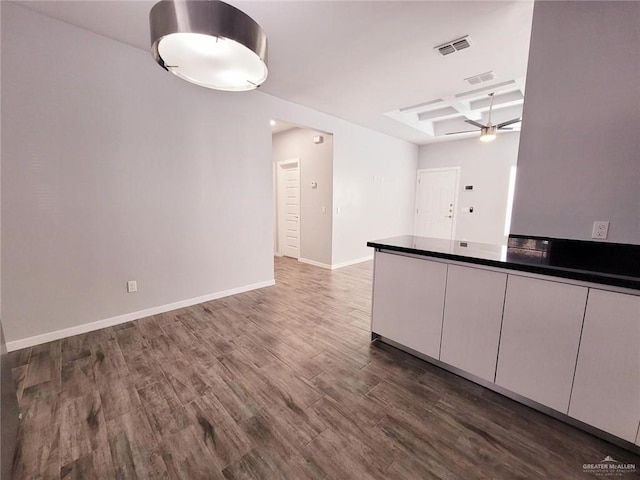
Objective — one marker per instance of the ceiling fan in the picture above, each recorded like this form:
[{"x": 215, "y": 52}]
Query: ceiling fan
[{"x": 488, "y": 132}]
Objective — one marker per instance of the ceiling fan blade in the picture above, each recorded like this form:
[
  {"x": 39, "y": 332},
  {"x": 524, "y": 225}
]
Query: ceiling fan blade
[
  {"x": 509, "y": 122},
  {"x": 464, "y": 131},
  {"x": 502, "y": 129},
  {"x": 474, "y": 123}
]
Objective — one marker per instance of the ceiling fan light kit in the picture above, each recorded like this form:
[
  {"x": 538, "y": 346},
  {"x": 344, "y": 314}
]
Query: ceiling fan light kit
[
  {"x": 489, "y": 131},
  {"x": 488, "y": 134},
  {"x": 209, "y": 43}
]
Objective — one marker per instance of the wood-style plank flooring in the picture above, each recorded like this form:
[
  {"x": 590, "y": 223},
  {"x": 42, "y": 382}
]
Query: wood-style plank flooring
[{"x": 278, "y": 383}]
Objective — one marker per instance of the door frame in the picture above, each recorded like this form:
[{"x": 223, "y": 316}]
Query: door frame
[
  {"x": 276, "y": 169},
  {"x": 455, "y": 197}
]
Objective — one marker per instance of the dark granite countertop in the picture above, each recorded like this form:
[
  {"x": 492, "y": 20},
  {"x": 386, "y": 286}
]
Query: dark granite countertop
[{"x": 597, "y": 262}]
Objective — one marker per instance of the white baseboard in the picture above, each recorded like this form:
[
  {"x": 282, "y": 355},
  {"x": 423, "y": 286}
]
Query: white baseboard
[
  {"x": 351, "y": 262},
  {"x": 314, "y": 263},
  {"x": 337, "y": 265},
  {"x": 127, "y": 317}
]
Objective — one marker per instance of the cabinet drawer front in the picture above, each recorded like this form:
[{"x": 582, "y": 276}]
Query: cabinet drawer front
[
  {"x": 606, "y": 389},
  {"x": 472, "y": 320},
  {"x": 540, "y": 336},
  {"x": 408, "y": 300}
]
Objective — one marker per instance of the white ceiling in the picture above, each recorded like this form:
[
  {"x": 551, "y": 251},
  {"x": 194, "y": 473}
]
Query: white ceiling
[{"x": 355, "y": 60}]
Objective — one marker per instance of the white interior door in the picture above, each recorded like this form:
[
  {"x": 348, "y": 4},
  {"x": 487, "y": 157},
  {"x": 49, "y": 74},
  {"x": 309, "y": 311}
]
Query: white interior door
[
  {"x": 289, "y": 208},
  {"x": 435, "y": 203}
]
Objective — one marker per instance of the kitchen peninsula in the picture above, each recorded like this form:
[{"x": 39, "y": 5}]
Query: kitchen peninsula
[{"x": 552, "y": 323}]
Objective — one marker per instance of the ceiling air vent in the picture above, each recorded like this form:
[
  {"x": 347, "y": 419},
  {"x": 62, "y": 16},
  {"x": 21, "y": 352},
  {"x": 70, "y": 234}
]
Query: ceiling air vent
[
  {"x": 453, "y": 46},
  {"x": 460, "y": 44},
  {"x": 446, "y": 50},
  {"x": 483, "y": 77}
]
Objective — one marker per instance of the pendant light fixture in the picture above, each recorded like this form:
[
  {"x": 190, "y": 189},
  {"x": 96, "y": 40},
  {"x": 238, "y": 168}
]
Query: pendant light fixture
[{"x": 209, "y": 43}]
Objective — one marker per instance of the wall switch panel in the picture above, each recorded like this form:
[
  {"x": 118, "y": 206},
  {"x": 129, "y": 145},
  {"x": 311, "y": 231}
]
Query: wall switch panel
[
  {"x": 132, "y": 286},
  {"x": 600, "y": 230}
]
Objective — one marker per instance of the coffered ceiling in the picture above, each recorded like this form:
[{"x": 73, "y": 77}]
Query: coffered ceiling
[{"x": 373, "y": 63}]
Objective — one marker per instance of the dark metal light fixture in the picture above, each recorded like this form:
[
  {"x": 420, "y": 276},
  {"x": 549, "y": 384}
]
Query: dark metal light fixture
[{"x": 209, "y": 43}]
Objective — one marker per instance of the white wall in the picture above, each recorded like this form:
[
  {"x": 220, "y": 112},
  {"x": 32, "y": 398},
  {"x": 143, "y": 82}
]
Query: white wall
[
  {"x": 579, "y": 155},
  {"x": 374, "y": 188},
  {"x": 316, "y": 165},
  {"x": 8, "y": 401},
  {"x": 115, "y": 170},
  {"x": 487, "y": 167},
  {"x": 368, "y": 210}
]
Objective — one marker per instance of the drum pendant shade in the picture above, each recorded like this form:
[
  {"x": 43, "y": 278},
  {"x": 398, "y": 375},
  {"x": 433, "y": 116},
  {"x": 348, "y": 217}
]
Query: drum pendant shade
[{"x": 209, "y": 43}]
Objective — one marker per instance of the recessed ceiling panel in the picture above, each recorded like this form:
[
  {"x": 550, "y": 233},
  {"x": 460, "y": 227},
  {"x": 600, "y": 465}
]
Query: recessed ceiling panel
[
  {"x": 451, "y": 112},
  {"x": 354, "y": 60}
]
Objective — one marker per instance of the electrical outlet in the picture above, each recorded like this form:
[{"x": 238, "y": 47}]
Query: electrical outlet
[
  {"x": 600, "y": 230},
  {"x": 132, "y": 286}
]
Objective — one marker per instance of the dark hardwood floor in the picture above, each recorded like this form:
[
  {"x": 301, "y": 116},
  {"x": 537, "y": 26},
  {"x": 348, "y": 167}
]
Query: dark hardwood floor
[{"x": 278, "y": 383}]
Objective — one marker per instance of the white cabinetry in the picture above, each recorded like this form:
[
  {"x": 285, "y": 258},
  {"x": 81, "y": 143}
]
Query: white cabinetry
[
  {"x": 567, "y": 347},
  {"x": 606, "y": 389},
  {"x": 408, "y": 299},
  {"x": 472, "y": 320},
  {"x": 540, "y": 337}
]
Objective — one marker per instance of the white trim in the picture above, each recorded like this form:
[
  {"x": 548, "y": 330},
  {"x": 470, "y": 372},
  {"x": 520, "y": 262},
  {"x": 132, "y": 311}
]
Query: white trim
[
  {"x": 274, "y": 183},
  {"x": 438, "y": 169},
  {"x": 335, "y": 266},
  {"x": 458, "y": 171},
  {"x": 277, "y": 166},
  {"x": 315, "y": 264},
  {"x": 289, "y": 161},
  {"x": 127, "y": 317}
]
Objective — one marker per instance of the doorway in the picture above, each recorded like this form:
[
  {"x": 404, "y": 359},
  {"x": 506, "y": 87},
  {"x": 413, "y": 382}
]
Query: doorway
[
  {"x": 302, "y": 217},
  {"x": 436, "y": 200},
  {"x": 288, "y": 207}
]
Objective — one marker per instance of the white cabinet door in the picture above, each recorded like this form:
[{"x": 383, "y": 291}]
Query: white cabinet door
[
  {"x": 540, "y": 336},
  {"x": 408, "y": 297},
  {"x": 606, "y": 389},
  {"x": 472, "y": 319}
]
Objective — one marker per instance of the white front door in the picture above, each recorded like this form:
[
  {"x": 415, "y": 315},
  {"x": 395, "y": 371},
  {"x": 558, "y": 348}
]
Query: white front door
[
  {"x": 435, "y": 202},
  {"x": 289, "y": 208}
]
